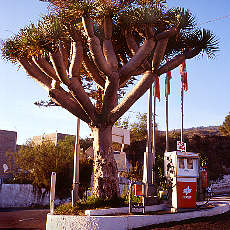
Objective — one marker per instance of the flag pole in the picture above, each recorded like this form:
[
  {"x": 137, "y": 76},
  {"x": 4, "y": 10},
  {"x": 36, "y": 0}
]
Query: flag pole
[
  {"x": 75, "y": 195},
  {"x": 154, "y": 137},
  {"x": 182, "y": 109},
  {"x": 148, "y": 155},
  {"x": 166, "y": 113}
]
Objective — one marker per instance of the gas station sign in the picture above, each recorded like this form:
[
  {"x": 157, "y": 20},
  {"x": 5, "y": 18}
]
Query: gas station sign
[{"x": 181, "y": 146}]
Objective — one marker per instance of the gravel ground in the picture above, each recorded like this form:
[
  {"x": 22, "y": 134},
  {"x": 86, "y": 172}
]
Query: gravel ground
[{"x": 220, "y": 222}]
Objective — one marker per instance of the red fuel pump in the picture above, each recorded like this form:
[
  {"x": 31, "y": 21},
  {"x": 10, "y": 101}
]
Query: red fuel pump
[
  {"x": 182, "y": 169},
  {"x": 204, "y": 178}
]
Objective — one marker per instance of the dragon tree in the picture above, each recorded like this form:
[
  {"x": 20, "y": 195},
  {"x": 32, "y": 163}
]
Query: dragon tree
[{"x": 88, "y": 54}]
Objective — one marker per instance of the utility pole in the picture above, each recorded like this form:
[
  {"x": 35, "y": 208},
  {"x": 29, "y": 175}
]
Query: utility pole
[{"x": 75, "y": 190}]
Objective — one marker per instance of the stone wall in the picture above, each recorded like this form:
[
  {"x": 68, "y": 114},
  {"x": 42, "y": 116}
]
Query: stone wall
[
  {"x": 53, "y": 137},
  {"x": 20, "y": 195},
  {"x": 8, "y": 141},
  {"x": 221, "y": 186}
]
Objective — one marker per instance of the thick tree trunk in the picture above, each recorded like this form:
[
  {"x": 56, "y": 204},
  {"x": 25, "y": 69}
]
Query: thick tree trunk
[{"x": 105, "y": 183}]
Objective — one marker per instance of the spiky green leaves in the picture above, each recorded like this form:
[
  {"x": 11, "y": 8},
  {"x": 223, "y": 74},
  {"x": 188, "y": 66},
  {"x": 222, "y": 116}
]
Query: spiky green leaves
[
  {"x": 74, "y": 7},
  {"x": 199, "y": 39},
  {"x": 135, "y": 17},
  {"x": 133, "y": 14},
  {"x": 35, "y": 39},
  {"x": 204, "y": 40},
  {"x": 181, "y": 18}
]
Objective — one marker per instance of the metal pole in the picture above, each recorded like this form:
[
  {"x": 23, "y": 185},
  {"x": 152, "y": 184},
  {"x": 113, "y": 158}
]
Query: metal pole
[
  {"x": 154, "y": 138},
  {"x": 148, "y": 157},
  {"x": 75, "y": 196},
  {"x": 52, "y": 192},
  {"x": 182, "y": 108},
  {"x": 150, "y": 130},
  {"x": 166, "y": 113}
]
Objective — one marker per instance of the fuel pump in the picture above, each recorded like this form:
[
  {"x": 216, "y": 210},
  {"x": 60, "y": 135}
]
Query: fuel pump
[
  {"x": 182, "y": 169},
  {"x": 203, "y": 183},
  {"x": 204, "y": 177}
]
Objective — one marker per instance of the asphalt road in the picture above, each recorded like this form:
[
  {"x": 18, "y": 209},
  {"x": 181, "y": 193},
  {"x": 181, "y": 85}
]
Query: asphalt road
[{"x": 23, "y": 219}]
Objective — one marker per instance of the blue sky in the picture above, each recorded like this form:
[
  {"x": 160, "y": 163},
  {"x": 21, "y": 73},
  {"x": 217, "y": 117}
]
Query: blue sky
[{"x": 206, "y": 102}]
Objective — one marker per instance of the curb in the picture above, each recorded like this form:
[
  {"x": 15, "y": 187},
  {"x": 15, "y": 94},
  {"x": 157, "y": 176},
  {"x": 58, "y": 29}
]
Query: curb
[
  {"x": 61, "y": 222},
  {"x": 123, "y": 210}
]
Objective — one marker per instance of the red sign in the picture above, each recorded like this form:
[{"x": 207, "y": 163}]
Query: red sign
[
  {"x": 139, "y": 190},
  {"x": 186, "y": 194},
  {"x": 181, "y": 146}
]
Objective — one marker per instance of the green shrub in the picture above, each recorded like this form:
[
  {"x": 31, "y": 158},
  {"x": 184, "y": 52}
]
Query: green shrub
[{"x": 92, "y": 202}]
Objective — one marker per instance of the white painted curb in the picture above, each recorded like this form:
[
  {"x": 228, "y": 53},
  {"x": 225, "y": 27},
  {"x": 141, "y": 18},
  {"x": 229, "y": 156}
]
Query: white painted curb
[
  {"x": 123, "y": 210},
  {"x": 64, "y": 222}
]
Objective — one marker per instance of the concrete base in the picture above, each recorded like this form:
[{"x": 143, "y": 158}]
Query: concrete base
[{"x": 61, "y": 222}]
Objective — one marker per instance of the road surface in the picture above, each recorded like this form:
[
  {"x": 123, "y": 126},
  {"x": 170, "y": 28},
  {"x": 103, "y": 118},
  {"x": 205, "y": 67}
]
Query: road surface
[{"x": 23, "y": 219}]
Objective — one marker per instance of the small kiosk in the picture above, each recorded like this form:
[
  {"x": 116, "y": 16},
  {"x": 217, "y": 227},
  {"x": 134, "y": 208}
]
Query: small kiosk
[{"x": 182, "y": 170}]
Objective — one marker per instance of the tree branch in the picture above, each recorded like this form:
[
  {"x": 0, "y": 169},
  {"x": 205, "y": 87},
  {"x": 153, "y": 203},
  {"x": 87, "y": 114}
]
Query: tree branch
[
  {"x": 130, "y": 41},
  {"x": 177, "y": 60},
  {"x": 162, "y": 40},
  {"x": 32, "y": 70},
  {"x": 65, "y": 55},
  {"x": 59, "y": 66},
  {"x": 133, "y": 46},
  {"x": 92, "y": 69},
  {"x": 137, "y": 59},
  {"x": 108, "y": 27},
  {"x": 98, "y": 57},
  {"x": 108, "y": 50},
  {"x": 138, "y": 90},
  {"x": 190, "y": 53},
  {"x": 95, "y": 46},
  {"x": 76, "y": 59},
  {"x": 88, "y": 26},
  {"x": 166, "y": 34},
  {"x": 110, "y": 99},
  {"x": 68, "y": 102},
  {"x": 159, "y": 53},
  {"x": 110, "y": 55},
  {"x": 80, "y": 95},
  {"x": 172, "y": 64},
  {"x": 45, "y": 67}
]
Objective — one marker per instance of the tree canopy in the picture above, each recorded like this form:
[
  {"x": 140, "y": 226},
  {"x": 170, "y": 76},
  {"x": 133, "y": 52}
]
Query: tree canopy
[
  {"x": 81, "y": 42},
  {"x": 225, "y": 127}
]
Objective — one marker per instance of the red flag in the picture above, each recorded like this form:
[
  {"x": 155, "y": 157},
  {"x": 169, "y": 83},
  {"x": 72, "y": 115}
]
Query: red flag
[
  {"x": 168, "y": 77},
  {"x": 183, "y": 73},
  {"x": 157, "y": 87}
]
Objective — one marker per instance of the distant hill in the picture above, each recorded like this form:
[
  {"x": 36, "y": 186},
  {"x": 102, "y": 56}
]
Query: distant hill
[{"x": 201, "y": 131}]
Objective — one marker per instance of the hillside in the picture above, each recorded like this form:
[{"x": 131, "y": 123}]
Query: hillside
[{"x": 201, "y": 131}]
